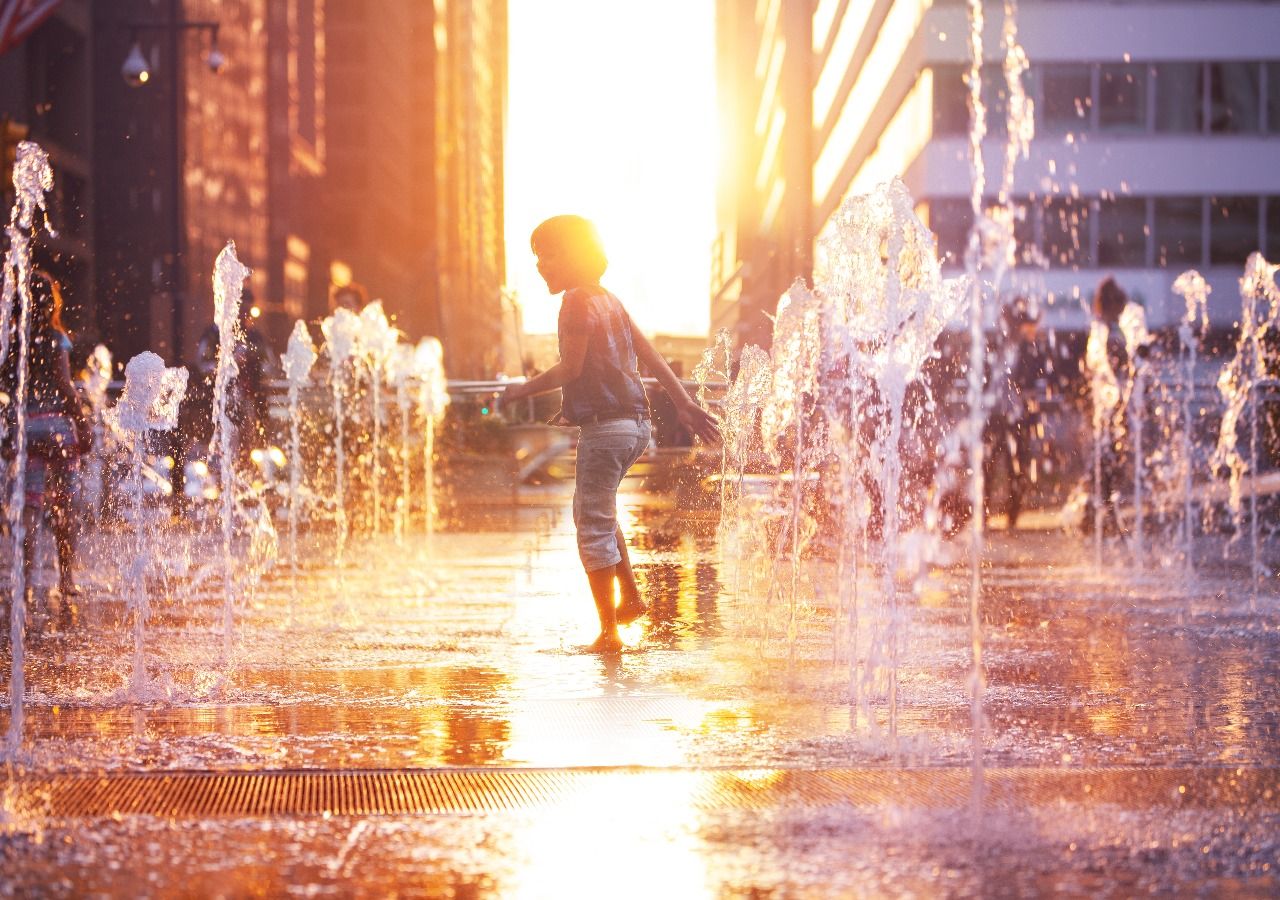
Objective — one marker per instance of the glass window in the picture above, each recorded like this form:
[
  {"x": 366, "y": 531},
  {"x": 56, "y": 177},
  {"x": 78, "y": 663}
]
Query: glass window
[
  {"x": 1235, "y": 97},
  {"x": 950, "y": 219},
  {"x": 950, "y": 101},
  {"x": 1066, "y": 233},
  {"x": 1273, "y": 98},
  {"x": 995, "y": 97},
  {"x": 1066, "y": 98},
  {"x": 1233, "y": 230},
  {"x": 1122, "y": 97},
  {"x": 1024, "y": 233},
  {"x": 1122, "y": 232},
  {"x": 1177, "y": 224},
  {"x": 1179, "y": 97}
]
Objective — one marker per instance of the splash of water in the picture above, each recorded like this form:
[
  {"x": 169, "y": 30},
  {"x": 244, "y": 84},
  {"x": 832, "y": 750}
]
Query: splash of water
[
  {"x": 97, "y": 381},
  {"x": 297, "y": 362},
  {"x": 229, "y": 275},
  {"x": 1133, "y": 325},
  {"x": 433, "y": 400},
  {"x": 1238, "y": 384},
  {"x": 341, "y": 334},
  {"x": 32, "y": 179},
  {"x": 401, "y": 369},
  {"x": 149, "y": 402},
  {"x": 1194, "y": 290},
  {"x": 377, "y": 343}
]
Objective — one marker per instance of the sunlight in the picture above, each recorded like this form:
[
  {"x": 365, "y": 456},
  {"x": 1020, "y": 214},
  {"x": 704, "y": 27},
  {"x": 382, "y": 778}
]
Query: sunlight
[{"x": 596, "y": 128}]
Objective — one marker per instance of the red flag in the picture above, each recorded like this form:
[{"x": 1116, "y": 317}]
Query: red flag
[{"x": 18, "y": 18}]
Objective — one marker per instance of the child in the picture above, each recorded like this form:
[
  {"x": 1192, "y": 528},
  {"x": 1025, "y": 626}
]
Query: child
[{"x": 602, "y": 393}]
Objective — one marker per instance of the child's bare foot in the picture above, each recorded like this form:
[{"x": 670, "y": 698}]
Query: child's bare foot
[
  {"x": 606, "y": 644},
  {"x": 630, "y": 610}
]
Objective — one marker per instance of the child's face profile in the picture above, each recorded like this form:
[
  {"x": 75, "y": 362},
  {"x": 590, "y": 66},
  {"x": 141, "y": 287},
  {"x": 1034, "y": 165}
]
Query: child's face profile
[{"x": 551, "y": 266}]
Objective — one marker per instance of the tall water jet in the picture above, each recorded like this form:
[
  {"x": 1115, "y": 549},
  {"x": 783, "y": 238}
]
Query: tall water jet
[
  {"x": 785, "y": 423},
  {"x": 229, "y": 275},
  {"x": 149, "y": 402},
  {"x": 401, "y": 369},
  {"x": 97, "y": 382},
  {"x": 341, "y": 333},
  {"x": 888, "y": 305},
  {"x": 1104, "y": 393},
  {"x": 433, "y": 400},
  {"x": 32, "y": 179},
  {"x": 1195, "y": 320},
  {"x": 1238, "y": 383},
  {"x": 1133, "y": 325},
  {"x": 297, "y": 362},
  {"x": 377, "y": 342}
]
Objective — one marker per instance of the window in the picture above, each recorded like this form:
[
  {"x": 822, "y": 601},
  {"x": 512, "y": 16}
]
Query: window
[
  {"x": 1235, "y": 97},
  {"x": 950, "y": 101},
  {"x": 1233, "y": 230},
  {"x": 1273, "y": 97},
  {"x": 950, "y": 219},
  {"x": 1122, "y": 232},
  {"x": 1177, "y": 222},
  {"x": 1066, "y": 99},
  {"x": 1024, "y": 233},
  {"x": 995, "y": 97},
  {"x": 1122, "y": 97},
  {"x": 1067, "y": 243},
  {"x": 1179, "y": 98}
]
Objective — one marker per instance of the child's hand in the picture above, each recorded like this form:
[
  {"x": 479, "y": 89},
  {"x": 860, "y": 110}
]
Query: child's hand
[
  {"x": 513, "y": 391},
  {"x": 699, "y": 422}
]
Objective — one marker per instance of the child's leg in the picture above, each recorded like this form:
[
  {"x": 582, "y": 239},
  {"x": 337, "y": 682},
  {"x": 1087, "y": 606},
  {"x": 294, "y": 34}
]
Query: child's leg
[
  {"x": 601, "y": 581},
  {"x": 631, "y": 607}
]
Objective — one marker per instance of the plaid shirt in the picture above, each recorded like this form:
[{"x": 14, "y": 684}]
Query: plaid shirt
[{"x": 609, "y": 385}]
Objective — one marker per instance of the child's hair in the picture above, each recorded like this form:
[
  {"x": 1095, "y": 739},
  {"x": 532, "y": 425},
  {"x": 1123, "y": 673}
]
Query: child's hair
[
  {"x": 1109, "y": 300},
  {"x": 578, "y": 239}
]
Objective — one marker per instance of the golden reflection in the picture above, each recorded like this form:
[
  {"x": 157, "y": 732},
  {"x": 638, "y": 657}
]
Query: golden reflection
[{"x": 620, "y": 834}]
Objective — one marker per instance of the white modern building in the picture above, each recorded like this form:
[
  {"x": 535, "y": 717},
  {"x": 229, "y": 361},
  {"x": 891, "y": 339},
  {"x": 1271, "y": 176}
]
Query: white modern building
[{"x": 1156, "y": 148}]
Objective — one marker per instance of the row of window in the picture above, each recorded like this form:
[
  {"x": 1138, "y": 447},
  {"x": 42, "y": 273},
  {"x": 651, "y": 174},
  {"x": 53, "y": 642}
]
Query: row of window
[
  {"x": 1137, "y": 98},
  {"x": 1125, "y": 232}
]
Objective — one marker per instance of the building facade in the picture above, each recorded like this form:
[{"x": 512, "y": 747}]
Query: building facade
[
  {"x": 193, "y": 158},
  {"x": 46, "y": 95},
  {"x": 1155, "y": 126}
]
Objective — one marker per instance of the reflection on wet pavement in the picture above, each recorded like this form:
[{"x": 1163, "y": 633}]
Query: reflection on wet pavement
[{"x": 473, "y": 658}]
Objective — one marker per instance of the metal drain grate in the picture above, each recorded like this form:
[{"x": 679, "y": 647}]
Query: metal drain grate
[{"x": 450, "y": 791}]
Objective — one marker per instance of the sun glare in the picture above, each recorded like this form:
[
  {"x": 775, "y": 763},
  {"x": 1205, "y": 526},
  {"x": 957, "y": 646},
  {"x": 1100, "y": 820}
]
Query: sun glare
[{"x": 612, "y": 116}]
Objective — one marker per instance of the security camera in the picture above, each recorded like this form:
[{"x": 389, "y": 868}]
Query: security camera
[
  {"x": 136, "y": 71},
  {"x": 215, "y": 61}
]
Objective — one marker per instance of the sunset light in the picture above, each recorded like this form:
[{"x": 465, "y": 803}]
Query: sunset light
[{"x": 612, "y": 116}]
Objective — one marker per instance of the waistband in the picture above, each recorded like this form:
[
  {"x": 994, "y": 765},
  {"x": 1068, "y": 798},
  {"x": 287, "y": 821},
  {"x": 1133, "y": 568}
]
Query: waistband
[{"x": 602, "y": 418}]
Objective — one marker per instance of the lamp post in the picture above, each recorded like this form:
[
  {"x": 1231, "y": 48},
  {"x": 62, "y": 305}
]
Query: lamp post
[{"x": 137, "y": 73}]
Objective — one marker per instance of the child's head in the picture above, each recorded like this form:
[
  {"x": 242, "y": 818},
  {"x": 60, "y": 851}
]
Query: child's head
[
  {"x": 1109, "y": 301},
  {"x": 570, "y": 252}
]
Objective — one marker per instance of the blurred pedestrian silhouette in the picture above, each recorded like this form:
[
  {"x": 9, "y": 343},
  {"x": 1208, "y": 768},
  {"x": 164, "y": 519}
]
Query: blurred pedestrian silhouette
[
  {"x": 1107, "y": 386},
  {"x": 57, "y": 429},
  {"x": 1019, "y": 366}
]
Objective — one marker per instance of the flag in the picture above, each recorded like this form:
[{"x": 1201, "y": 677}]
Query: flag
[{"x": 18, "y": 18}]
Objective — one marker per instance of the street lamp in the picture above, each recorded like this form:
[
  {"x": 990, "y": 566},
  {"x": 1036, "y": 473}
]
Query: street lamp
[{"x": 136, "y": 71}]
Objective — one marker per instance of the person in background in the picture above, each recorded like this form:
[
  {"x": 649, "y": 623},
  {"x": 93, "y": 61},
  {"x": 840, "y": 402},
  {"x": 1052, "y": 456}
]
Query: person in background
[
  {"x": 1106, "y": 373},
  {"x": 58, "y": 431},
  {"x": 600, "y": 353},
  {"x": 1019, "y": 367}
]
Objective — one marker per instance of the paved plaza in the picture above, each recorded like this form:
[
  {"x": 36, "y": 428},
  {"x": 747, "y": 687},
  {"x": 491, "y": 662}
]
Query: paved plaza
[{"x": 422, "y": 721}]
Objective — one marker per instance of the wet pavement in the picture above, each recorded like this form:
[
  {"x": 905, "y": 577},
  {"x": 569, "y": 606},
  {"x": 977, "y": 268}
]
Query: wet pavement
[{"x": 1131, "y": 730}]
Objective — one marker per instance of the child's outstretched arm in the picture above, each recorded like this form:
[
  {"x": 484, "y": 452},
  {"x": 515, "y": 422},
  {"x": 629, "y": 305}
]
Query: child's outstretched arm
[
  {"x": 573, "y": 353},
  {"x": 688, "y": 412}
]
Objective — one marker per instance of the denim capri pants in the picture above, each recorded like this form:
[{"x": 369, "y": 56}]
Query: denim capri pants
[{"x": 605, "y": 452}]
